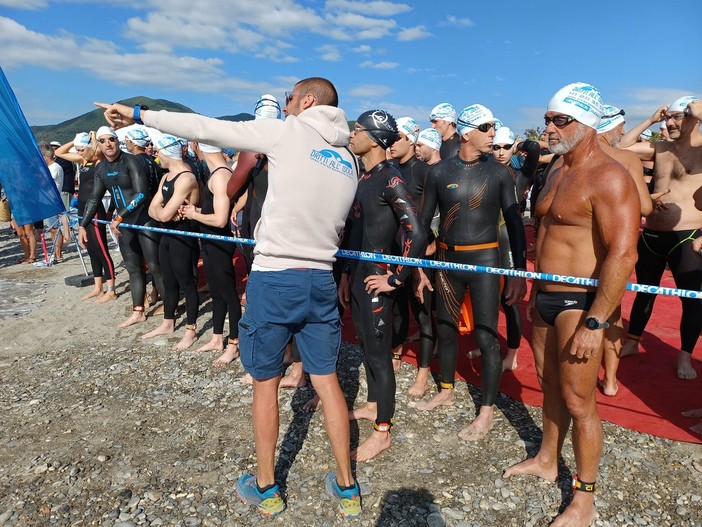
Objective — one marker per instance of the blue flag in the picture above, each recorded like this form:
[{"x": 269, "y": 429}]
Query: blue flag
[{"x": 24, "y": 176}]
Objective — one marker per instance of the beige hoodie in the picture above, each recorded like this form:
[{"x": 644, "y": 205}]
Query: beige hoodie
[{"x": 312, "y": 178}]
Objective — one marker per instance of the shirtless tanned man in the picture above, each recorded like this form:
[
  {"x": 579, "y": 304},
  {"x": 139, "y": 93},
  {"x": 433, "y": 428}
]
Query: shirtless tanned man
[
  {"x": 383, "y": 205},
  {"x": 443, "y": 120},
  {"x": 471, "y": 190},
  {"x": 312, "y": 181},
  {"x": 590, "y": 219},
  {"x": 675, "y": 221},
  {"x": 125, "y": 176}
]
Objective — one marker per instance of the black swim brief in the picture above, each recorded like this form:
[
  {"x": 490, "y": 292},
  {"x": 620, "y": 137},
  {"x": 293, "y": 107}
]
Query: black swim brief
[{"x": 550, "y": 304}]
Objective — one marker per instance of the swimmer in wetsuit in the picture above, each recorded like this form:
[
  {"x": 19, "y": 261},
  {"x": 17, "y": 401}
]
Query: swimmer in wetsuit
[
  {"x": 443, "y": 120},
  {"x": 125, "y": 177},
  {"x": 471, "y": 191},
  {"x": 382, "y": 206},
  {"x": 176, "y": 253},
  {"x": 414, "y": 173}
]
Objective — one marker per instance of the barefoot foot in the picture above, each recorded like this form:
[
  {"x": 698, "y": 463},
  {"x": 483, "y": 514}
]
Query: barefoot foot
[
  {"x": 509, "y": 363},
  {"x": 369, "y": 412},
  {"x": 188, "y": 340},
  {"x": 481, "y": 425},
  {"x": 135, "y": 318},
  {"x": 533, "y": 467},
  {"x": 371, "y": 447},
  {"x": 94, "y": 293},
  {"x": 246, "y": 379},
  {"x": 685, "y": 369},
  {"x": 421, "y": 384},
  {"x": 609, "y": 388},
  {"x": 166, "y": 328},
  {"x": 580, "y": 513},
  {"x": 109, "y": 296},
  {"x": 229, "y": 355},
  {"x": 293, "y": 381},
  {"x": 630, "y": 347},
  {"x": 216, "y": 343},
  {"x": 445, "y": 397}
]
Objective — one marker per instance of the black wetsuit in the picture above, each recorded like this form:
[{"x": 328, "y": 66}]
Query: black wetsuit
[
  {"x": 100, "y": 259},
  {"x": 219, "y": 269},
  {"x": 450, "y": 147},
  {"x": 470, "y": 197},
  {"x": 673, "y": 248},
  {"x": 523, "y": 178},
  {"x": 414, "y": 173},
  {"x": 176, "y": 256},
  {"x": 127, "y": 180},
  {"x": 154, "y": 171},
  {"x": 382, "y": 205},
  {"x": 257, "y": 186}
]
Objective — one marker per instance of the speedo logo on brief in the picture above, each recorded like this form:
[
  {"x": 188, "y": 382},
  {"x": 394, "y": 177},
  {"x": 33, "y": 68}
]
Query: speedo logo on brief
[
  {"x": 332, "y": 160},
  {"x": 570, "y": 302}
]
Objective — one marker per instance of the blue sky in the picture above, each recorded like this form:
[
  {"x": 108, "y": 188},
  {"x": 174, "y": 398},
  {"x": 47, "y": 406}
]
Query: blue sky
[{"x": 218, "y": 57}]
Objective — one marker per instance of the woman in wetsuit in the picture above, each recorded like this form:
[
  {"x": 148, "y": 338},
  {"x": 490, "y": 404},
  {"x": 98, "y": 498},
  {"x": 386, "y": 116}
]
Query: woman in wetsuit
[{"x": 177, "y": 187}]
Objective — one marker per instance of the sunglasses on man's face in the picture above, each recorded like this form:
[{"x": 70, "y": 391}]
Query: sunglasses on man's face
[
  {"x": 497, "y": 148},
  {"x": 109, "y": 139},
  {"x": 559, "y": 121}
]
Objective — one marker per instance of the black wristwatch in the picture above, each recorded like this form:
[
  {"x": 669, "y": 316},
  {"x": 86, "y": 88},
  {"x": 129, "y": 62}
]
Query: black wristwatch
[
  {"x": 593, "y": 324},
  {"x": 136, "y": 115},
  {"x": 393, "y": 281}
]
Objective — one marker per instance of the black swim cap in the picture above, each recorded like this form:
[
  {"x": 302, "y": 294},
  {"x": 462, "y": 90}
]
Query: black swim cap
[{"x": 380, "y": 125}]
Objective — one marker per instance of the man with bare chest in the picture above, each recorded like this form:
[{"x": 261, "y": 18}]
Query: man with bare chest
[
  {"x": 671, "y": 227},
  {"x": 590, "y": 218}
]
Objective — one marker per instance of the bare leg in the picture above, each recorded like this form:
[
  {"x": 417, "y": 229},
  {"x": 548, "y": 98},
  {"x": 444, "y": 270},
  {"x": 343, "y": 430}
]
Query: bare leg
[
  {"x": 684, "y": 366},
  {"x": 135, "y": 318},
  {"x": 630, "y": 347},
  {"x": 266, "y": 422},
  {"x": 614, "y": 341},
  {"x": 371, "y": 447},
  {"x": 229, "y": 355},
  {"x": 397, "y": 358},
  {"x": 481, "y": 425},
  {"x": 336, "y": 423},
  {"x": 216, "y": 343},
  {"x": 166, "y": 328},
  {"x": 369, "y": 411},
  {"x": 509, "y": 363},
  {"x": 445, "y": 397},
  {"x": 421, "y": 384},
  {"x": 296, "y": 378},
  {"x": 188, "y": 339}
]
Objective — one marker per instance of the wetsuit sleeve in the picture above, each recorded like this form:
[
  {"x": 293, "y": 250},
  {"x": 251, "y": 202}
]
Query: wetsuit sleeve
[
  {"x": 140, "y": 184},
  {"x": 91, "y": 205},
  {"x": 531, "y": 162},
  {"x": 414, "y": 236},
  {"x": 428, "y": 202},
  {"x": 513, "y": 220},
  {"x": 253, "y": 136}
]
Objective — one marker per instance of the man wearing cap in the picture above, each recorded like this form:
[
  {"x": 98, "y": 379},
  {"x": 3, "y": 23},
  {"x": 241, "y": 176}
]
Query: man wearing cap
[
  {"x": 414, "y": 173},
  {"x": 675, "y": 221},
  {"x": 125, "y": 176},
  {"x": 443, "y": 120},
  {"x": 311, "y": 186},
  {"x": 428, "y": 146},
  {"x": 471, "y": 190},
  {"x": 383, "y": 205},
  {"x": 590, "y": 218}
]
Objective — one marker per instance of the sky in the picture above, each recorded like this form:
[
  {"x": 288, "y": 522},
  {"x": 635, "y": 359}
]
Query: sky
[{"x": 218, "y": 57}]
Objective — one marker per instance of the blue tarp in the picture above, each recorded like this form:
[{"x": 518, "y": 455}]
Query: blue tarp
[{"x": 24, "y": 176}]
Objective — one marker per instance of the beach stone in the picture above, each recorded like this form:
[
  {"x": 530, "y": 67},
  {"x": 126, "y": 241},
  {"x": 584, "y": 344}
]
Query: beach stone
[{"x": 435, "y": 519}]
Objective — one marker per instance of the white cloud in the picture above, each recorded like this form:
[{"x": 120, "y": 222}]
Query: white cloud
[
  {"x": 363, "y": 48},
  {"x": 377, "y": 8},
  {"x": 24, "y": 4},
  {"x": 379, "y": 65},
  {"x": 413, "y": 33},
  {"x": 452, "y": 20},
  {"x": 369, "y": 90},
  {"x": 329, "y": 53}
]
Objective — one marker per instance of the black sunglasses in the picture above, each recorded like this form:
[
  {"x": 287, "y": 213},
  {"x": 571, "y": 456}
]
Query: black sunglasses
[
  {"x": 559, "y": 121},
  {"x": 496, "y": 148},
  {"x": 110, "y": 139},
  {"x": 620, "y": 112}
]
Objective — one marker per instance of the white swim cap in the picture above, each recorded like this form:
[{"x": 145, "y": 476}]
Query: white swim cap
[
  {"x": 498, "y": 124},
  {"x": 81, "y": 140},
  {"x": 646, "y": 135},
  {"x": 503, "y": 136},
  {"x": 208, "y": 149},
  {"x": 473, "y": 116},
  {"x": 138, "y": 136},
  {"x": 105, "y": 130},
  {"x": 679, "y": 105},
  {"x": 581, "y": 101},
  {"x": 267, "y": 107},
  {"x": 409, "y": 127},
  {"x": 611, "y": 118},
  {"x": 430, "y": 137},
  {"x": 169, "y": 146},
  {"x": 443, "y": 112}
]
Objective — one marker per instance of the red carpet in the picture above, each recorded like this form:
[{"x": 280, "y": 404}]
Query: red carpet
[{"x": 650, "y": 396}]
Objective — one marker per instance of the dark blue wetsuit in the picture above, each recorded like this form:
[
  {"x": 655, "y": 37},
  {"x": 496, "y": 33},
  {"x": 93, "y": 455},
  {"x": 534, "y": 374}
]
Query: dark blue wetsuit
[
  {"x": 127, "y": 180},
  {"x": 470, "y": 197},
  {"x": 382, "y": 205},
  {"x": 100, "y": 259},
  {"x": 414, "y": 173}
]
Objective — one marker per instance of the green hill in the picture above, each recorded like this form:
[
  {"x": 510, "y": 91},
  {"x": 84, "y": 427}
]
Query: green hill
[{"x": 66, "y": 131}]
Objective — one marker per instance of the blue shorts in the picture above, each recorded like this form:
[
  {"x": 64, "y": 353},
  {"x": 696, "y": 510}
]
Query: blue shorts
[{"x": 282, "y": 304}]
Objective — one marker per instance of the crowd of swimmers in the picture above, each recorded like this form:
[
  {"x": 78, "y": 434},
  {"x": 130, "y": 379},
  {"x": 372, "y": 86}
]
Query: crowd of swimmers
[{"x": 455, "y": 192}]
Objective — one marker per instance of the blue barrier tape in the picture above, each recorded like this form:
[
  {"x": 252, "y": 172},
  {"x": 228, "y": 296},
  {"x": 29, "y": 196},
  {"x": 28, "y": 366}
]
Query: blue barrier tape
[{"x": 436, "y": 264}]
